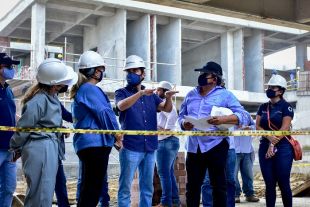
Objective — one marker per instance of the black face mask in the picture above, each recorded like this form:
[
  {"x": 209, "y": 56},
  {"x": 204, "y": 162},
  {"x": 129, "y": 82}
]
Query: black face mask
[
  {"x": 63, "y": 89},
  {"x": 270, "y": 93},
  {"x": 203, "y": 80}
]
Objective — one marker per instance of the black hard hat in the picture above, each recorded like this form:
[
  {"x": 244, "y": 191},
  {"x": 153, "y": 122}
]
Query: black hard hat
[
  {"x": 6, "y": 60},
  {"x": 211, "y": 67}
]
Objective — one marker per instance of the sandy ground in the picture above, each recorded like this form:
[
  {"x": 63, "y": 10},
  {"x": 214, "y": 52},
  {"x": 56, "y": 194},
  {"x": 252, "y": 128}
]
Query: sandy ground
[{"x": 296, "y": 180}]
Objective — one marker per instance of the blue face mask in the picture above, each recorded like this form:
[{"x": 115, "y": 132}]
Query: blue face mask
[
  {"x": 133, "y": 79},
  {"x": 8, "y": 73}
]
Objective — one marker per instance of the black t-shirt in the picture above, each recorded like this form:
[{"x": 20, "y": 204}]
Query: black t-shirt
[{"x": 277, "y": 111}]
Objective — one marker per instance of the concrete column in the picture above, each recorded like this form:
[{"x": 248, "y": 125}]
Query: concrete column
[
  {"x": 301, "y": 55},
  {"x": 254, "y": 62},
  {"x": 169, "y": 51},
  {"x": 238, "y": 60},
  {"x": 138, "y": 41},
  {"x": 37, "y": 34},
  {"x": 227, "y": 59},
  {"x": 112, "y": 42}
]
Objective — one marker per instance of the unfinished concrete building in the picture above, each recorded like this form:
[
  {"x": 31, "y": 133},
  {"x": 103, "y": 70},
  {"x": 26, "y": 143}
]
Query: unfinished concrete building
[{"x": 173, "y": 37}]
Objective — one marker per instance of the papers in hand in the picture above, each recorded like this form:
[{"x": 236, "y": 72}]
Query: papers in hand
[{"x": 200, "y": 124}]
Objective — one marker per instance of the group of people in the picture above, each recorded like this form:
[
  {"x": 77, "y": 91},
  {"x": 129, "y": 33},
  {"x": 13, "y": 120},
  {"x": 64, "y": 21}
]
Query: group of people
[{"x": 212, "y": 162}]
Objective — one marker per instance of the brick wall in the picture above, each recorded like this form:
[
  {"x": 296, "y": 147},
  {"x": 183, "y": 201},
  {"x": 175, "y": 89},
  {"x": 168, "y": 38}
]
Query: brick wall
[{"x": 180, "y": 173}]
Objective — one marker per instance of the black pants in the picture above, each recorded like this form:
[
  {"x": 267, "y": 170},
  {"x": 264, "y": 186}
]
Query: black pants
[
  {"x": 196, "y": 166},
  {"x": 95, "y": 162}
]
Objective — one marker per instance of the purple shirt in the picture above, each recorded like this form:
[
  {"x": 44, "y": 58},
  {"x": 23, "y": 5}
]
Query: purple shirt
[{"x": 199, "y": 106}]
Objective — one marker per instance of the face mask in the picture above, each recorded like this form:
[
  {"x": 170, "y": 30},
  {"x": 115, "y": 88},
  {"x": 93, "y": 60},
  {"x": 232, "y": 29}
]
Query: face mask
[
  {"x": 203, "y": 80},
  {"x": 8, "y": 73},
  {"x": 133, "y": 79},
  {"x": 101, "y": 76},
  {"x": 63, "y": 89},
  {"x": 270, "y": 93}
]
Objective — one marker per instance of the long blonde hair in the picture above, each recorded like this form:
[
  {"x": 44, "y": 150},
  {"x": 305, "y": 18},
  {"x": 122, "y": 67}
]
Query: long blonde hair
[
  {"x": 31, "y": 92},
  {"x": 81, "y": 80}
]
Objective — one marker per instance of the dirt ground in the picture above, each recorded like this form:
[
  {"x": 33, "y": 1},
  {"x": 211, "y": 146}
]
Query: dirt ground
[{"x": 296, "y": 180}]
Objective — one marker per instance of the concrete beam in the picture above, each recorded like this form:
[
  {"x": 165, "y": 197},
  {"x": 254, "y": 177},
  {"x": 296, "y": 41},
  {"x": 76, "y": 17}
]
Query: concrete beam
[
  {"x": 207, "y": 27},
  {"x": 208, "y": 14},
  {"x": 201, "y": 43},
  {"x": 79, "y": 20},
  {"x": 15, "y": 17},
  {"x": 79, "y": 7},
  {"x": 37, "y": 34}
]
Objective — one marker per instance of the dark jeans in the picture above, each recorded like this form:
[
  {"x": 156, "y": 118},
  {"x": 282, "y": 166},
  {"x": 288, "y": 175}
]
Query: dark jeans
[
  {"x": 277, "y": 170},
  {"x": 206, "y": 189},
  {"x": 104, "y": 199},
  {"x": 94, "y": 168},
  {"x": 196, "y": 166},
  {"x": 61, "y": 187}
]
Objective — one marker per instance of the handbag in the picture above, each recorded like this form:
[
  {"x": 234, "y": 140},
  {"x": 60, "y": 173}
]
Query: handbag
[{"x": 295, "y": 144}]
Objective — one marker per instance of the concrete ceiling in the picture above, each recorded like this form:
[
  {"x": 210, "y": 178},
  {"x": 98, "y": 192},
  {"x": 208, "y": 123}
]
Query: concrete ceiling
[{"x": 69, "y": 19}]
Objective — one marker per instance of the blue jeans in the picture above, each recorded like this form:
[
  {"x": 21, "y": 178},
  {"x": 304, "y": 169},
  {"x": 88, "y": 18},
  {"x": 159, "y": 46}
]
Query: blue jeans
[
  {"x": 61, "y": 187},
  {"x": 165, "y": 157},
  {"x": 244, "y": 163},
  {"x": 277, "y": 170},
  {"x": 206, "y": 187},
  {"x": 104, "y": 199},
  {"x": 7, "y": 178},
  {"x": 129, "y": 162}
]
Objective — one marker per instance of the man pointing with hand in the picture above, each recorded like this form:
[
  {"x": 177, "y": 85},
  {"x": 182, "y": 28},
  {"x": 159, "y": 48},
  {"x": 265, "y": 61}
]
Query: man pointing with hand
[{"x": 138, "y": 107}]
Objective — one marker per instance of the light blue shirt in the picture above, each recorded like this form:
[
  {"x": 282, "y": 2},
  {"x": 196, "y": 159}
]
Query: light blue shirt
[
  {"x": 199, "y": 106},
  {"x": 243, "y": 144}
]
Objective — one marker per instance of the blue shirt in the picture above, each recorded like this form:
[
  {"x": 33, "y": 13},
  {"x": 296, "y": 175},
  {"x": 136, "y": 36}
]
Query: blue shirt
[
  {"x": 140, "y": 116},
  {"x": 243, "y": 144},
  {"x": 91, "y": 109},
  {"x": 7, "y": 115},
  {"x": 199, "y": 106},
  {"x": 277, "y": 111}
]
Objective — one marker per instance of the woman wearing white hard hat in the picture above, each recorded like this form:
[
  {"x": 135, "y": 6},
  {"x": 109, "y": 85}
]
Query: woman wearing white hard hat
[
  {"x": 276, "y": 152},
  {"x": 91, "y": 109},
  {"x": 39, "y": 150}
]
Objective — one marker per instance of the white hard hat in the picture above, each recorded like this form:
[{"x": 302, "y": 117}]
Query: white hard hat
[
  {"x": 54, "y": 72},
  {"x": 165, "y": 85},
  {"x": 90, "y": 59},
  {"x": 277, "y": 80},
  {"x": 134, "y": 61},
  {"x": 73, "y": 74}
]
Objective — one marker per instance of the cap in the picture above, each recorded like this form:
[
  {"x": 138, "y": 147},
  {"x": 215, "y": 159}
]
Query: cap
[
  {"x": 211, "y": 67},
  {"x": 5, "y": 59}
]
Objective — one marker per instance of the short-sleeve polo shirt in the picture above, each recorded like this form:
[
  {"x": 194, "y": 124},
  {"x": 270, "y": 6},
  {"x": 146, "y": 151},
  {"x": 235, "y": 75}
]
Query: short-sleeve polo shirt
[
  {"x": 142, "y": 115},
  {"x": 277, "y": 111}
]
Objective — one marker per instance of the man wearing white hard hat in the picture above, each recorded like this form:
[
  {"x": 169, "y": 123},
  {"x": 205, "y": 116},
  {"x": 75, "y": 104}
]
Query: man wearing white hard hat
[
  {"x": 168, "y": 147},
  {"x": 138, "y": 107},
  {"x": 275, "y": 152},
  {"x": 39, "y": 150}
]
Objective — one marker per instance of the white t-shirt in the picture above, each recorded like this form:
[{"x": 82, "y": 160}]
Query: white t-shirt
[{"x": 167, "y": 120}]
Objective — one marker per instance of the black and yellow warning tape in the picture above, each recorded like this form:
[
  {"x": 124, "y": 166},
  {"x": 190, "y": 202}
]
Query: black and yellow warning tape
[{"x": 176, "y": 133}]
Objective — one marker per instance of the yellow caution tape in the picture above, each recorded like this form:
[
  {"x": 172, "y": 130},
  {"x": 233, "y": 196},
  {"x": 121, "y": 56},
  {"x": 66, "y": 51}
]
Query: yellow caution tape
[{"x": 176, "y": 133}]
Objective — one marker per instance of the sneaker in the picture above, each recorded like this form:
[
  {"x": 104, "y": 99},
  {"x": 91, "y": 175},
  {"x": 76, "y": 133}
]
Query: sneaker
[
  {"x": 252, "y": 198},
  {"x": 237, "y": 199}
]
